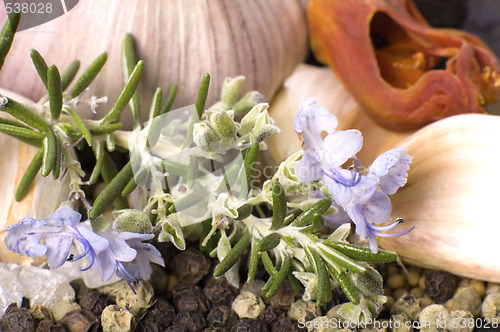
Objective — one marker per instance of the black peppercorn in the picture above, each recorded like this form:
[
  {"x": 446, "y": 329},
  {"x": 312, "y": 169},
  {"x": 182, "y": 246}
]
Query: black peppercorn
[
  {"x": 271, "y": 314},
  {"x": 221, "y": 316},
  {"x": 250, "y": 325},
  {"x": 192, "y": 321},
  {"x": 284, "y": 298},
  {"x": 80, "y": 320},
  {"x": 47, "y": 325},
  {"x": 188, "y": 297},
  {"x": 215, "y": 329},
  {"x": 162, "y": 313},
  {"x": 175, "y": 328},
  {"x": 190, "y": 266},
  {"x": 220, "y": 292},
  {"x": 284, "y": 324},
  {"x": 94, "y": 302},
  {"x": 439, "y": 285},
  {"x": 17, "y": 319},
  {"x": 147, "y": 326}
]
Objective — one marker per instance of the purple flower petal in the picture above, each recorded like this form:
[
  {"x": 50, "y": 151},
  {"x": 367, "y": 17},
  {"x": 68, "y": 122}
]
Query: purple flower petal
[
  {"x": 340, "y": 146},
  {"x": 58, "y": 250},
  {"x": 65, "y": 216},
  {"x": 308, "y": 169},
  {"x": 322, "y": 119},
  {"x": 359, "y": 219},
  {"x": 392, "y": 169},
  {"x": 378, "y": 208}
]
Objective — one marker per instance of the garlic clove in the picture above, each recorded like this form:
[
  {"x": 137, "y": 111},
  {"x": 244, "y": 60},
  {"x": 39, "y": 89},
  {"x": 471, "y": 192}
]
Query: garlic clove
[
  {"x": 451, "y": 197},
  {"x": 44, "y": 197},
  {"x": 178, "y": 40},
  {"x": 306, "y": 81}
]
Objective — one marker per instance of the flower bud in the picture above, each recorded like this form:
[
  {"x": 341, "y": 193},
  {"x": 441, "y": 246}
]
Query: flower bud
[
  {"x": 223, "y": 123},
  {"x": 368, "y": 283},
  {"x": 263, "y": 128},
  {"x": 249, "y": 101},
  {"x": 133, "y": 221},
  {"x": 99, "y": 224},
  {"x": 203, "y": 134},
  {"x": 231, "y": 89},
  {"x": 248, "y": 121}
]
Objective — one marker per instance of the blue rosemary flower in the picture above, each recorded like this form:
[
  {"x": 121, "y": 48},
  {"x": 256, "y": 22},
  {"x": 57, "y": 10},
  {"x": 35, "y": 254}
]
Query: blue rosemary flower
[
  {"x": 370, "y": 203},
  {"x": 127, "y": 256},
  {"x": 110, "y": 251},
  {"x": 59, "y": 232},
  {"x": 326, "y": 150},
  {"x": 362, "y": 196}
]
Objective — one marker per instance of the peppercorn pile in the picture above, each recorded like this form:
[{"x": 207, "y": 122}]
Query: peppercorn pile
[{"x": 185, "y": 297}]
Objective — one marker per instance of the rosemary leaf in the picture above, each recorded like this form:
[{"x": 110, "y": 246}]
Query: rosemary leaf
[
  {"x": 280, "y": 277},
  {"x": 253, "y": 261},
  {"x": 29, "y": 176},
  {"x": 88, "y": 75},
  {"x": 279, "y": 205},
  {"x": 233, "y": 255},
  {"x": 131, "y": 185},
  {"x": 344, "y": 282},
  {"x": 360, "y": 253},
  {"x": 128, "y": 91},
  {"x": 16, "y": 131},
  {"x": 12, "y": 123},
  {"x": 202, "y": 95},
  {"x": 306, "y": 217},
  {"x": 324, "y": 290},
  {"x": 269, "y": 242},
  {"x": 69, "y": 74},
  {"x": 99, "y": 156},
  {"x": 104, "y": 129},
  {"x": 341, "y": 259},
  {"x": 317, "y": 223},
  {"x": 49, "y": 153},
  {"x": 23, "y": 114},
  {"x": 56, "y": 171},
  {"x": 111, "y": 191},
  {"x": 199, "y": 107},
  {"x": 87, "y": 134},
  {"x": 108, "y": 173},
  {"x": 7, "y": 35},
  {"x": 268, "y": 263},
  {"x": 244, "y": 211},
  {"x": 40, "y": 66},
  {"x": 250, "y": 159},
  {"x": 128, "y": 61},
  {"x": 155, "y": 109},
  {"x": 170, "y": 99},
  {"x": 55, "y": 92}
]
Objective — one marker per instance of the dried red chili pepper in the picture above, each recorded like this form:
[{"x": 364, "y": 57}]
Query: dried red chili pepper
[{"x": 403, "y": 72}]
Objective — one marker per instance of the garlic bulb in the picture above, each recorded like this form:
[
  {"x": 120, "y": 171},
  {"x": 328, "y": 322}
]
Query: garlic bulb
[
  {"x": 178, "y": 40},
  {"x": 43, "y": 198},
  {"x": 451, "y": 197}
]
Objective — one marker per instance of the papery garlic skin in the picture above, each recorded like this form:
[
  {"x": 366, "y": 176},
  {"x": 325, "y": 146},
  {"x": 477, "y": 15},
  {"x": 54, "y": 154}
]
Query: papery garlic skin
[
  {"x": 451, "y": 197},
  {"x": 178, "y": 40}
]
